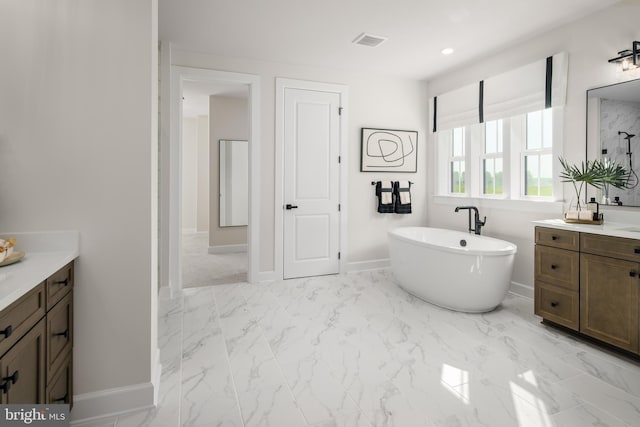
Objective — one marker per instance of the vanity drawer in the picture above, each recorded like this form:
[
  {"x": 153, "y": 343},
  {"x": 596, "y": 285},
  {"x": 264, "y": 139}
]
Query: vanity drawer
[
  {"x": 59, "y": 334},
  {"x": 557, "y": 305},
  {"x": 559, "y": 267},
  {"x": 19, "y": 317},
  {"x": 613, "y": 247},
  {"x": 562, "y": 239},
  {"x": 59, "y": 284}
]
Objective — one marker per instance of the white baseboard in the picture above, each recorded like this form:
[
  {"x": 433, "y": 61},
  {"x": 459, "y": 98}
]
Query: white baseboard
[
  {"x": 267, "y": 276},
  {"x": 373, "y": 264},
  {"x": 227, "y": 249},
  {"x": 521, "y": 290},
  {"x": 104, "y": 405},
  {"x": 156, "y": 374},
  {"x": 165, "y": 292}
]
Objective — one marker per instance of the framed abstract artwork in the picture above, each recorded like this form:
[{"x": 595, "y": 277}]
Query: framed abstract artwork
[{"x": 388, "y": 150}]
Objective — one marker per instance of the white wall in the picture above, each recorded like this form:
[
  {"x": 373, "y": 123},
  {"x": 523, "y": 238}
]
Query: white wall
[
  {"x": 375, "y": 101},
  {"x": 78, "y": 150},
  {"x": 195, "y": 174},
  {"x": 189, "y": 173},
  {"x": 202, "y": 204},
  {"x": 590, "y": 42}
]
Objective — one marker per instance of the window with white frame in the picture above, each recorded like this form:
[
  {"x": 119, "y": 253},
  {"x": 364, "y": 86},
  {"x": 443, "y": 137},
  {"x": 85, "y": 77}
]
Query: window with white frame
[
  {"x": 492, "y": 159},
  {"x": 537, "y": 155},
  {"x": 457, "y": 162},
  {"x": 510, "y": 158}
]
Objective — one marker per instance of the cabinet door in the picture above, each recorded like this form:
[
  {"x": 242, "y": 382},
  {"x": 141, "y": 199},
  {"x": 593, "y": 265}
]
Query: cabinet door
[
  {"x": 59, "y": 334},
  {"x": 22, "y": 375},
  {"x": 609, "y": 300}
]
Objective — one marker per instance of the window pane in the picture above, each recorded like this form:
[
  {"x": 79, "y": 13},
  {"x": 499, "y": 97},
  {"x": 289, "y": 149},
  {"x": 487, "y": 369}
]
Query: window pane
[
  {"x": 492, "y": 169},
  {"x": 548, "y": 128},
  {"x": 457, "y": 177},
  {"x": 532, "y": 179},
  {"x": 458, "y": 142},
  {"x": 499, "y": 128},
  {"x": 488, "y": 165},
  {"x": 497, "y": 176},
  {"x": 546, "y": 176},
  {"x": 534, "y": 130},
  {"x": 490, "y": 137}
]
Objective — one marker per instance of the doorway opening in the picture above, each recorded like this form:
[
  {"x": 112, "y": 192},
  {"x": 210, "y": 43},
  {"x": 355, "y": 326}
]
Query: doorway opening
[
  {"x": 215, "y": 183},
  {"x": 195, "y": 236}
]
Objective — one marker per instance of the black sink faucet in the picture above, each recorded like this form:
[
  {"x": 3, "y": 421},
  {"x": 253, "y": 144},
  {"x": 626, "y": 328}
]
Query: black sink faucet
[{"x": 477, "y": 223}]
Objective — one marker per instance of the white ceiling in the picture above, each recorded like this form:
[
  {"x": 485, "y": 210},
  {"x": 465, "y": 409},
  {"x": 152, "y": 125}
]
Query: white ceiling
[{"x": 319, "y": 33}]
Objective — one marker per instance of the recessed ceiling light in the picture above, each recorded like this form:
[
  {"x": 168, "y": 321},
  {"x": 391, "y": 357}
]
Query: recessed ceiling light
[{"x": 447, "y": 51}]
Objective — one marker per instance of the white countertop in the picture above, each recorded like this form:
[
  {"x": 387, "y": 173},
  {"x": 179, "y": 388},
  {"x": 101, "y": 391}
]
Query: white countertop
[
  {"x": 45, "y": 253},
  {"x": 617, "y": 229}
]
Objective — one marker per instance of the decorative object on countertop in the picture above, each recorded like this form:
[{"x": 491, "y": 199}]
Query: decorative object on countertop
[
  {"x": 386, "y": 150},
  {"x": 597, "y": 173},
  {"x": 401, "y": 190},
  {"x": 7, "y": 253},
  {"x": 610, "y": 174},
  {"x": 384, "y": 192}
]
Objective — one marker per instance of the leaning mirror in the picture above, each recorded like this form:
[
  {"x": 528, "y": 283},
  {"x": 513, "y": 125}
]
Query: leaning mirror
[
  {"x": 234, "y": 183},
  {"x": 613, "y": 134}
]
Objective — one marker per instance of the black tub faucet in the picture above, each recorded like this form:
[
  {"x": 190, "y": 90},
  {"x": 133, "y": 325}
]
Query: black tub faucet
[{"x": 477, "y": 223}]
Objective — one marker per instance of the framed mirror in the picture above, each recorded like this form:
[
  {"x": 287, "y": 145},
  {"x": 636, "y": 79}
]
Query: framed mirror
[
  {"x": 613, "y": 133},
  {"x": 234, "y": 183}
]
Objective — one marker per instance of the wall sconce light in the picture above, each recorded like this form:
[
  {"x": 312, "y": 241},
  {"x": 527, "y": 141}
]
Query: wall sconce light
[{"x": 628, "y": 59}]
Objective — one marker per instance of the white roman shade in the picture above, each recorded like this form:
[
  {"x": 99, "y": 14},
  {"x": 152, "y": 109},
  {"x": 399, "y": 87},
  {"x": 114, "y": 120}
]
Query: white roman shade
[
  {"x": 533, "y": 87},
  {"x": 457, "y": 108}
]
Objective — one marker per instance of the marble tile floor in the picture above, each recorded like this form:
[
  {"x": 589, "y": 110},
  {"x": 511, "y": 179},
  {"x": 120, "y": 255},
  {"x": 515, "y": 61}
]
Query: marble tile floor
[
  {"x": 355, "y": 350},
  {"x": 200, "y": 268}
]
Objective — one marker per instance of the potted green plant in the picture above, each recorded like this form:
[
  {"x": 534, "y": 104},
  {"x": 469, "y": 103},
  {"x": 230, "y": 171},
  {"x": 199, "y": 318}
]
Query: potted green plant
[
  {"x": 577, "y": 176},
  {"x": 609, "y": 174},
  {"x": 600, "y": 174}
]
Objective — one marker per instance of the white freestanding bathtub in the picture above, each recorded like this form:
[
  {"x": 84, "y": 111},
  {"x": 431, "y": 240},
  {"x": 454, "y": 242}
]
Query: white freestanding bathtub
[{"x": 452, "y": 269}]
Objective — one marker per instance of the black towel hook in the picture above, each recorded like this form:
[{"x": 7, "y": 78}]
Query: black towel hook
[{"x": 375, "y": 182}]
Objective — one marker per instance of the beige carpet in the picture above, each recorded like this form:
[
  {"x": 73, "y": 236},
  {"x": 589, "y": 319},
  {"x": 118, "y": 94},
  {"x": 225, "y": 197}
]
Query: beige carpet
[{"x": 199, "y": 268}]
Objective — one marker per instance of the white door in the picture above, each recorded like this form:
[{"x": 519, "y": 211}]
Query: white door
[{"x": 311, "y": 182}]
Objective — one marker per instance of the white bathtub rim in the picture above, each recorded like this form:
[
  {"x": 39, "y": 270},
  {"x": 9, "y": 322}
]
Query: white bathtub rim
[{"x": 509, "y": 249}]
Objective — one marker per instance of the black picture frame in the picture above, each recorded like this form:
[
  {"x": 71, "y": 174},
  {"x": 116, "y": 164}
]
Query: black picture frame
[{"x": 388, "y": 150}]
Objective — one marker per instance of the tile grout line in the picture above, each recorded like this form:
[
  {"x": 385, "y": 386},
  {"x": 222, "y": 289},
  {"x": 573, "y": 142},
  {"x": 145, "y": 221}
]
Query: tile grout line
[
  {"x": 226, "y": 354},
  {"x": 180, "y": 370},
  {"x": 280, "y": 370}
]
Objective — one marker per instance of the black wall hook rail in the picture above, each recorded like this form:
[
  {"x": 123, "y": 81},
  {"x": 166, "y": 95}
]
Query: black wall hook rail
[{"x": 375, "y": 182}]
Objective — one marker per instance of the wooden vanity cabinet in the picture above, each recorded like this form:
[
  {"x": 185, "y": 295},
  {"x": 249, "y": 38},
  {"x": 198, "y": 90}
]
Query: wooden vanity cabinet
[
  {"x": 592, "y": 288},
  {"x": 36, "y": 340},
  {"x": 557, "y": 276},
  {"x": 22, "y": 370},
  {"x": 609, "y": 290}
]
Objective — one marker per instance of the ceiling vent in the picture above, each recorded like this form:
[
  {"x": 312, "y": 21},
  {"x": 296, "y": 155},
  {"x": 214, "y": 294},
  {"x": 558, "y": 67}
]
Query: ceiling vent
[{"x": 370, "y": 40}]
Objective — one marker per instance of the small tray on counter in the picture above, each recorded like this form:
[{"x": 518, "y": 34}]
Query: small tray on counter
[{"x": 598, "y": 221}]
